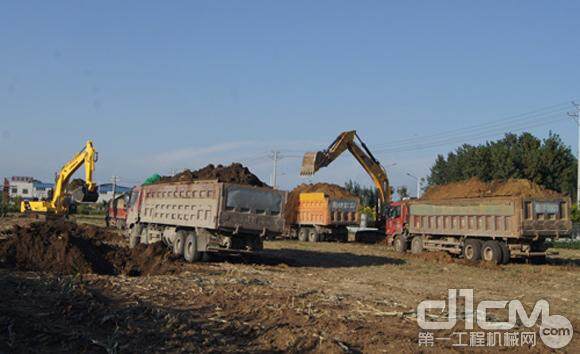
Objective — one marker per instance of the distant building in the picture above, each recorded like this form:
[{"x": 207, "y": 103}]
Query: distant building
[
  {"x": 106, "y": 191},
  {"x": 42, "y": 190},
  {"x": 22, "y": 186},
  {"x": 29, "y": 188}
]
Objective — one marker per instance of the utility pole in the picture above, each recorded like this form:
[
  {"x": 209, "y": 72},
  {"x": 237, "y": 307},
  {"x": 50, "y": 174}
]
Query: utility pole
[
  {"x": 575, "y": 115},
  {"x": 114, "y": 180},
  {"x": 275, "y": 157},
  {"x": 418, "y": 184}
]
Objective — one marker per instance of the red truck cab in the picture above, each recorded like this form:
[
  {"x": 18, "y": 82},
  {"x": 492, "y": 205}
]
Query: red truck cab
[{"x": 397, "y": 216}]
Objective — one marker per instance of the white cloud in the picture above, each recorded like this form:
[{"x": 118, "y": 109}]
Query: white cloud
[{"x": 194, "y": 153}]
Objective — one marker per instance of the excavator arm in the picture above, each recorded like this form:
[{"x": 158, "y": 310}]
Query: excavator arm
[
  {"x": 85, "y": 193},
  {"x": 314, "y": 161}
]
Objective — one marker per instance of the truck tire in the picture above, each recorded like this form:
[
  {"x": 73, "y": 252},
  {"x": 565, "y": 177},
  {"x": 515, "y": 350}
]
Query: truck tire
[
  {"x": 472, "y": 250},
  {"x": 313, "y": 236},
  {"x": 303, "y": 234},
  {"x": 179, "y": 243},
  {"x": 134, "y": 236},
  {"x": 190, "y": 252},
  {"x": 491, "y": 252},
  {"x": 505, "y": 252},
  {"x": 400, "y": 244},
  {"x": 417, "y": 244}
]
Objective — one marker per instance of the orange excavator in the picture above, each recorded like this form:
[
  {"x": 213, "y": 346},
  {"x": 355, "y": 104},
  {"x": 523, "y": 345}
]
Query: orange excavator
[{"x": 314, "y": 161}]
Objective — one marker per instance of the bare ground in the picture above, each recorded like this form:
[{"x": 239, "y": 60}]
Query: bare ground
[{"x": 325, "y": 297}]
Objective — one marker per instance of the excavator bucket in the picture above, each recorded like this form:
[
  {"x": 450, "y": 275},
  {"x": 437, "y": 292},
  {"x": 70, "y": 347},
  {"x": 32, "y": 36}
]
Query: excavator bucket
[
  {"x": 309, "y": 163},
  {"x": 83, "y": 195}
]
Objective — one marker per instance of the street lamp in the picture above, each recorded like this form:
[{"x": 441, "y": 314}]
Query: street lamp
[{"x": 418, "y": 184}]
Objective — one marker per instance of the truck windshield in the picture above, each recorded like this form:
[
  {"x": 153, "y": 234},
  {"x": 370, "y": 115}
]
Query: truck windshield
[
  {"x": 133, "y": 198},
  {"x": 395, "y": 212}
]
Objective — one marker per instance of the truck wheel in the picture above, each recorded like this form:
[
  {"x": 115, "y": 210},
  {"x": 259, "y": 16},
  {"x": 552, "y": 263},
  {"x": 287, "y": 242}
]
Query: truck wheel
[
  {"x": 179, "y": 243},
  {"x": 491, "y": 252},
  {"x": 505, "y": 252},
  {"x": 190, "y": 252},
  {"x": 134, "y": 236},
  {"x": 303, "y": 234},
  {"x": 417, "y": 245},
  {"x": 472, "y": 250},
  {"x": 400, "y": 244},
  {"x": 313, "y": 236}
]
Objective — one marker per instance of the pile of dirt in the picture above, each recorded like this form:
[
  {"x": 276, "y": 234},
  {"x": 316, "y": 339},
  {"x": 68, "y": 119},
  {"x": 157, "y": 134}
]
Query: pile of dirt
[
  {"x": 67, "y": 248},
  {"x": 331, "y": 190},
  {"x": 234, "y": 173},
  {"x": 475, "y": 188}
]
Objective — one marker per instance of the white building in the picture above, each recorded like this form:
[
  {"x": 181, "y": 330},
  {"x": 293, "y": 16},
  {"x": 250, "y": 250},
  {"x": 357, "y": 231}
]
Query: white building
[
  {"x": 29, "y": 188},
  {"x": 22, "y": 186}
]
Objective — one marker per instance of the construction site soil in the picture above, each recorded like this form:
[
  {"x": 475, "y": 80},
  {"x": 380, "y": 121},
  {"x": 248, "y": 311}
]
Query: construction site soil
[
  {"x": 475, "y": 188},
  {"x": 67, "y": 248},
  {"x": 234, "y": 173},
  {"x": 331, "y": 190}
]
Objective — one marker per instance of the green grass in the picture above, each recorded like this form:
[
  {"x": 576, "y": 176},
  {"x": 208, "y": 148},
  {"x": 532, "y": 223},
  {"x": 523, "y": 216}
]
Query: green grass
[{"x": 572, "y": 245}]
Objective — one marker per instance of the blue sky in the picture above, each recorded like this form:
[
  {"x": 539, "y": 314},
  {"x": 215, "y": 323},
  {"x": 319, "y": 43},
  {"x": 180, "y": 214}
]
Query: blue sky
[{"x": 160, "y": 86}]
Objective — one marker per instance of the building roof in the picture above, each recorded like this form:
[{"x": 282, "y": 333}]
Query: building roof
[{"x": 43, "y": 186}]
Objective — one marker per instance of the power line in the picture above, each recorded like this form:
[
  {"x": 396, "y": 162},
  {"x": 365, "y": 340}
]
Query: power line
[
  {"x": 489, "y": 134},
  {"x": 506, "y": 122}
]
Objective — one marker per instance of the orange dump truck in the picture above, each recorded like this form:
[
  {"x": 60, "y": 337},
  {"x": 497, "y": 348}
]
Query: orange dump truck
[{"x": 319, "y": 217}]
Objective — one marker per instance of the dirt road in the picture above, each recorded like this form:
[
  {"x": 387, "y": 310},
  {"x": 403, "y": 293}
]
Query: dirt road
[{"x": 325, "y": 297}]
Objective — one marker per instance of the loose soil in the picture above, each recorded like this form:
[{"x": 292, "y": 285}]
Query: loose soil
[
  {"x": 234, "y": 173},
  {"x": 331, "y": 190},
  {"x": 475, "y": 188},
  {"x": 66, "y": 248}
]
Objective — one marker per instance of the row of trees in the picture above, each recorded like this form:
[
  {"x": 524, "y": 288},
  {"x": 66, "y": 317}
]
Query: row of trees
[
  {"x": 549, "y": 162},
  {"x": 369, "y": 195}
]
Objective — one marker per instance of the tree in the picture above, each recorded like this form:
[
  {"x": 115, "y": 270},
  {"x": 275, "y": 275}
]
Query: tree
[
  {"x": 367, "y": 195},
  {"x": 403, "y": 192},
  {"x": 546, "y": 162}
]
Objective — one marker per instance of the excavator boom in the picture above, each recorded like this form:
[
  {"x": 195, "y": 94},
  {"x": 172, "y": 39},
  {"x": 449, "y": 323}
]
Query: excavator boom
[{"x": 314, "y": 161}]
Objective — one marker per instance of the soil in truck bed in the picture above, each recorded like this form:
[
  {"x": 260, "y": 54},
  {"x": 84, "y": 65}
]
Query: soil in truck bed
[
  {"x": 475, "y": 188},
  {"x": 234, "y": 173}
]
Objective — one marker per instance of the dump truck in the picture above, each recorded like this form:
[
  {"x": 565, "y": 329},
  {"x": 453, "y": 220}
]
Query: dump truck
[
  {"x": 198, "y": 217},
  {"x": 491, "y": 229},
  {"x": 320, "y": 217}
]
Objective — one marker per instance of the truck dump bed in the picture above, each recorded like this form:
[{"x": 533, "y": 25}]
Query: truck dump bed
[
  {"x": 510, "y": 217},
  {"x": 318, "y": 209},
  {"x": 214, "y": 205}
]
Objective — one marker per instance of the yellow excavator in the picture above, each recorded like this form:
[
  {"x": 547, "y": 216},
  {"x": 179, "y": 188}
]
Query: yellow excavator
[
  {"x": 314, "y": 161},
  {"x": 86, "y": 193}
]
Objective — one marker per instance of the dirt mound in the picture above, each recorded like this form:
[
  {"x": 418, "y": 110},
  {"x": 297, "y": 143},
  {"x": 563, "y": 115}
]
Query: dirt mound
[
  {"x": 475, "y": 188},
  {"x": 67, "y": 248},
  {"x": 331, "y": 190},
  {"x": 234, "y": 173}
]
